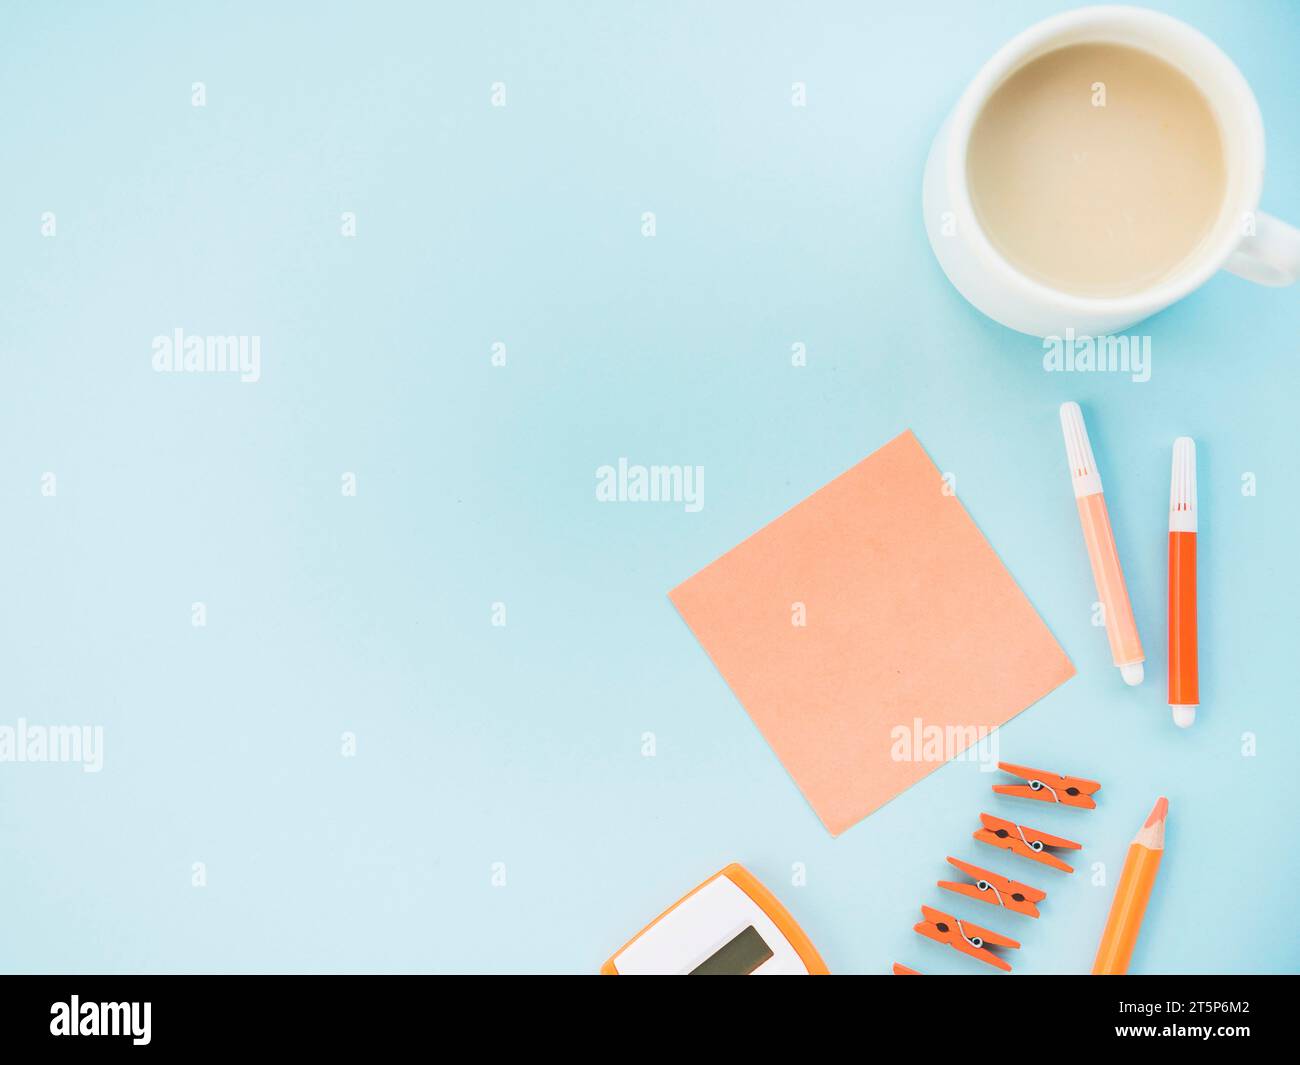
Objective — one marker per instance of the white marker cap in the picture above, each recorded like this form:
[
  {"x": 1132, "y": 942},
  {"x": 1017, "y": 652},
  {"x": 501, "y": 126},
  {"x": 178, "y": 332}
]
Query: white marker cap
[
  {"x": 1182, "y": 487},
  {"x": 1132, "y": 673},
  {"x": 1184, "y": 715},
  {"x": 1078, "y": 449}
]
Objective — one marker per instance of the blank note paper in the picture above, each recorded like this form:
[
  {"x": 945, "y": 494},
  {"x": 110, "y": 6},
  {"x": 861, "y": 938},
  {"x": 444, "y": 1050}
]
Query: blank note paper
[{"x": 872, "y": 605}]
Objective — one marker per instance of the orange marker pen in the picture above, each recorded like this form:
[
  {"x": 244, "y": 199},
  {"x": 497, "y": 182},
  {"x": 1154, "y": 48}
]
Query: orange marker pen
[
  {"x": 1121, "y": 627},
  {"x": 1184, "y": 693}
]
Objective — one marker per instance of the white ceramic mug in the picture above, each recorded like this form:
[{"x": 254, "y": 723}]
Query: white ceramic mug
[{"x": 1244, "y": 240}]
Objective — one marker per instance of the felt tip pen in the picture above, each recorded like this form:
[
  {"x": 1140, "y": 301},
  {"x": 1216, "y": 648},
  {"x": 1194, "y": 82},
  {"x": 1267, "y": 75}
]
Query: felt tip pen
[
  {"x": 1121, "y": 627},
  {"x": 1184, "y": 694}
]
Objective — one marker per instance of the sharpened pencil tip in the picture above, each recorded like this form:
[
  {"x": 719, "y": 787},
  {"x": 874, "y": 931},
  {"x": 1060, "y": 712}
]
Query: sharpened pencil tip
[{"x": 1158, "y": 812}]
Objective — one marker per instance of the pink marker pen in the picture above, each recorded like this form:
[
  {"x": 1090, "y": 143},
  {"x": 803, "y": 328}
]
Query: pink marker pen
[{"x": 1121, "y": 628}]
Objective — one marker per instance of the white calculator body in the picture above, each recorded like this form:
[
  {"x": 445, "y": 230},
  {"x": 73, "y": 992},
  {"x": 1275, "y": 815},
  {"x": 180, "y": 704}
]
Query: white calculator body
[{"x": 728, "y": 926}]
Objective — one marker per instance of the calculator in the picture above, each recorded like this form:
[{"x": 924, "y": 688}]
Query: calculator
[{"x": 730, "y": 925}]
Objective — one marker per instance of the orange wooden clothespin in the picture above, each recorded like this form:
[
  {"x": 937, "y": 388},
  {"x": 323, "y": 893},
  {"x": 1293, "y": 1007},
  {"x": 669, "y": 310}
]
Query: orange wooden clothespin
[
  {"x": 1048, "y": 787},
  {"x": 1024, "y": 841},
  {"x": 968, "y": 938},
  {"x": 903, "y": 970},
  {"x": 995, "y": 890}
]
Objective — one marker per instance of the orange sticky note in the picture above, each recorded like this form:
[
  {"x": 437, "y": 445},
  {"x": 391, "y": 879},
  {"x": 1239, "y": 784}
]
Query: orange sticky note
[{"x": 873, "y": 608}]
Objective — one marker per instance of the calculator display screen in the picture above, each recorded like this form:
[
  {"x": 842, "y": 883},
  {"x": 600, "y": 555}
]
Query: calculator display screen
[{"x": 740, "y": 957}]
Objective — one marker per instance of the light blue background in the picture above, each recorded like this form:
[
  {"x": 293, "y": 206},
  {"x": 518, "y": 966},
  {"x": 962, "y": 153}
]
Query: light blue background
[{"x": 522, "y": 744}]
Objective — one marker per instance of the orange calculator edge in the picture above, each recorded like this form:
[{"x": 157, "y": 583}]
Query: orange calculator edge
[{"x": 763, "y": 899}]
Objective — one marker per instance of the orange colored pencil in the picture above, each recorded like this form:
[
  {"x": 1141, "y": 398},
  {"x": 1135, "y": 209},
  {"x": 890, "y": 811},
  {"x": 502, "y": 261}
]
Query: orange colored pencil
[{"x": 1135, "y": 884}]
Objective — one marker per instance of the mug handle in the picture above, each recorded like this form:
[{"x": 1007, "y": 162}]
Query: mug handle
[{"x": 1269, "y": 256}]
